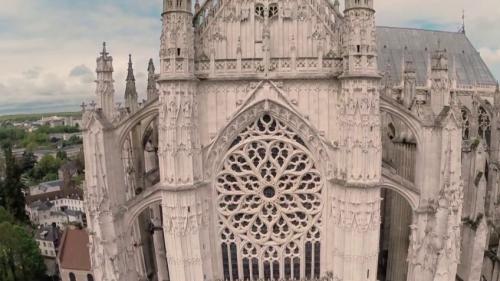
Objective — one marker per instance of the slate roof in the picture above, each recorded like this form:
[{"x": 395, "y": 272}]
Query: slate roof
[
  {"x": 415, "y": 44},
  {"x": 48, "y": 233}
]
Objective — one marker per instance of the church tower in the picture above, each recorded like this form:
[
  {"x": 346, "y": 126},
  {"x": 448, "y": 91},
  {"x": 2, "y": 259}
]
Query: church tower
[
  {"x": 179, "y": 145},
  {"x": 360, "y": 95},
  {"x": 360, "y": 143},
  {"x": 177, "y": 39}
]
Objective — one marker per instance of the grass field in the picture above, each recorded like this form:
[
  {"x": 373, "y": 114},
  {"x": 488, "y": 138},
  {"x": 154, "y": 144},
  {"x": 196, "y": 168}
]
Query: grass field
[{"x": 37, "y": 116}]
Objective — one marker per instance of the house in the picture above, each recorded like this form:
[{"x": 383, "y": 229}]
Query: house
[
  {"x": 48, "y": 238},
  {"x": 73, "y": 257}
]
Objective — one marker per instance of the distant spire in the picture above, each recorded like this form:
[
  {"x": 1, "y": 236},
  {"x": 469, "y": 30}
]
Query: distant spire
[
  {"x": 152, "y": 92},
  {"x": 104, "y": 53},
  {"x": 130, "y": 74},
  {"x": 151, "y": 66},
  {"x": 498, "y": 88},
  {"x": 130, "y": 90}
]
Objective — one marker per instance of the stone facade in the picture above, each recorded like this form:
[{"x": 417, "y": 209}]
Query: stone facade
[{"x": 272, "y": 146}]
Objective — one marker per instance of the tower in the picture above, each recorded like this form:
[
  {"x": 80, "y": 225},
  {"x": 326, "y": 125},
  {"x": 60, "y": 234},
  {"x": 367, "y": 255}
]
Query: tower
[
  {"x": 179, "y": 149},
  {"x": 105, "y": 90},
  {"x": 130, "y": 90},
  {"x": 360, "y": 46},
  {"x": 360, "y": 95},
  {"x": 177, "y": 39},
  {"x": 360, "y": 140}
]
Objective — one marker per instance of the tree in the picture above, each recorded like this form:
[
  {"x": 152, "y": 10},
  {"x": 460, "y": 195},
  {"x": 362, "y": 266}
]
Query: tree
[
  {"x": 62, "y": 155},
  {"x": 28, "y": 161},
  {"x": 49, "y": 165},
  {"x": 11, "y": 189},
  {"x": 20, "y": 257}
]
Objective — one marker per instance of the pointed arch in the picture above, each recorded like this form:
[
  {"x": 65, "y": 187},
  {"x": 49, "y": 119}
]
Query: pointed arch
[{"x": 214, "y": 154}]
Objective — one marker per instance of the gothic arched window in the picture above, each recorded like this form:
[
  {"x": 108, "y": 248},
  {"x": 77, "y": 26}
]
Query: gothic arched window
[
  {"x": 465, "y": 124},
  {"x": 273, "y": 10},
  {"x": 90, "y": 277},
  {"x": 72, "y": 276},
  {"x": 259, "y": 10},
  {"x": 269, "y": 205},
  {"x": 484, "y": 124}
]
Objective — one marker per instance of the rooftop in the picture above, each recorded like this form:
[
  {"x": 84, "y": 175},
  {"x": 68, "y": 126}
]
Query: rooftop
[
  {"x": 48, "y": 233},
  {"x": 396, "y": 44},
  {"x": 74, "y": 251}
]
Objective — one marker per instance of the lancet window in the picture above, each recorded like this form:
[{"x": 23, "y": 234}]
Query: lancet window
[
  {"x": 269, "y": 205},
  {"x": 484, "y": 124},
  {"x": 465, "y": 124}
]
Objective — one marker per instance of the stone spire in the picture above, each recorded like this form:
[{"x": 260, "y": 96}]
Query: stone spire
[
  {"x": 440, "y": 80},
  {"x": 130, "y": 90},
  {"x": 152, "y": 91},
  {"x": 105, "y": 89}
]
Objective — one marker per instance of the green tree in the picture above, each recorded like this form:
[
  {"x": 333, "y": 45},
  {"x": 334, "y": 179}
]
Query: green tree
[
  {"x": 28, "y": 161},
  {"x": 49, "y": 164},
  {"x": 11, "y": 188},
  {"x": 20, "y": 257},
  {"x": 62, "y": 155}
]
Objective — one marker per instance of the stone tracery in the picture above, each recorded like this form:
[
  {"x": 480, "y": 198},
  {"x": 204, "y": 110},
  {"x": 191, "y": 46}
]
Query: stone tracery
[{"x": 269, "y": 204}]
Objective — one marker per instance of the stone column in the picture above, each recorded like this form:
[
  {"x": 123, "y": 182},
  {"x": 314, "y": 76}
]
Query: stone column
[
  {"x": 478, "y": 248},
  {"x": 183, "y": 219},
  {"x": 356, "y": 224}
]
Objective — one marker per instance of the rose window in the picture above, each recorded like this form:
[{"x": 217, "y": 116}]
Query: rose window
[{"x": 269, "y": 205}]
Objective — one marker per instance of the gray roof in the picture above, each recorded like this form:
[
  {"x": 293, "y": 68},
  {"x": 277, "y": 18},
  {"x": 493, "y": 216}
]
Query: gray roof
[
  {"x": 416, "y": 44},
  {"x": 47, "y": 233}
]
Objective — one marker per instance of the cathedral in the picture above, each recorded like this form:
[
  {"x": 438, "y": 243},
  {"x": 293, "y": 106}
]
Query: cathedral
[{"x": 293, "y": 140}]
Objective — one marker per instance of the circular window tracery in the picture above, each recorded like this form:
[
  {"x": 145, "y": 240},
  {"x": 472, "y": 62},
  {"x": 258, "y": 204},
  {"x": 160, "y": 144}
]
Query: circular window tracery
[{"x": 269, "y": 204}]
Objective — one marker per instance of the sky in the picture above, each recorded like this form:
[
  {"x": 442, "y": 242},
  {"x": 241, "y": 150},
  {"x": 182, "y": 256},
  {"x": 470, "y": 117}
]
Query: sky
[{"x": 48, "y": 48}]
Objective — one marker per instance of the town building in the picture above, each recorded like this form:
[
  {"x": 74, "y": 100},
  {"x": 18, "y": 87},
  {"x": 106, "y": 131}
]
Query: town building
[
  {"x": 48, "y": 238},
  {"x": 288, "y": 140},
  {"x": 73, "y": 258},
  {"x": 59, "y": 202}
]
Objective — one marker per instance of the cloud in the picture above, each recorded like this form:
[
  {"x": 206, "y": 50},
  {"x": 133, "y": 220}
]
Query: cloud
[
  {"x": 32, "y": 73},
  {"x": 83, "y": 72},
  {"x": 490, "y": 56},
  {"x": 52, "y": 61}
]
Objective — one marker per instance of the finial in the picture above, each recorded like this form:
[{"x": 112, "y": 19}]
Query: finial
[
  {"x": 130, "y": 74},
  {"x": 151, "y": 66},
  {"x": 462, "y": 29},
  {"x": 104, "y": 53}
]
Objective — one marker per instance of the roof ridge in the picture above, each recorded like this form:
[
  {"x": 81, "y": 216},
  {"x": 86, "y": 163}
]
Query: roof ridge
[{"x": 420, "y": 29}]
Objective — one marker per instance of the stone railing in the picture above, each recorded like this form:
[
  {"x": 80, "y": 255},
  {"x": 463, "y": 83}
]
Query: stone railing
[{"x": 276, "y": 65}]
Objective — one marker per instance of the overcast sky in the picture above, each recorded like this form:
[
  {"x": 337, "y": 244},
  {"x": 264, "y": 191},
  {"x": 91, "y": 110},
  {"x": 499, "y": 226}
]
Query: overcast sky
[{"x": 48, "y": 47}]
